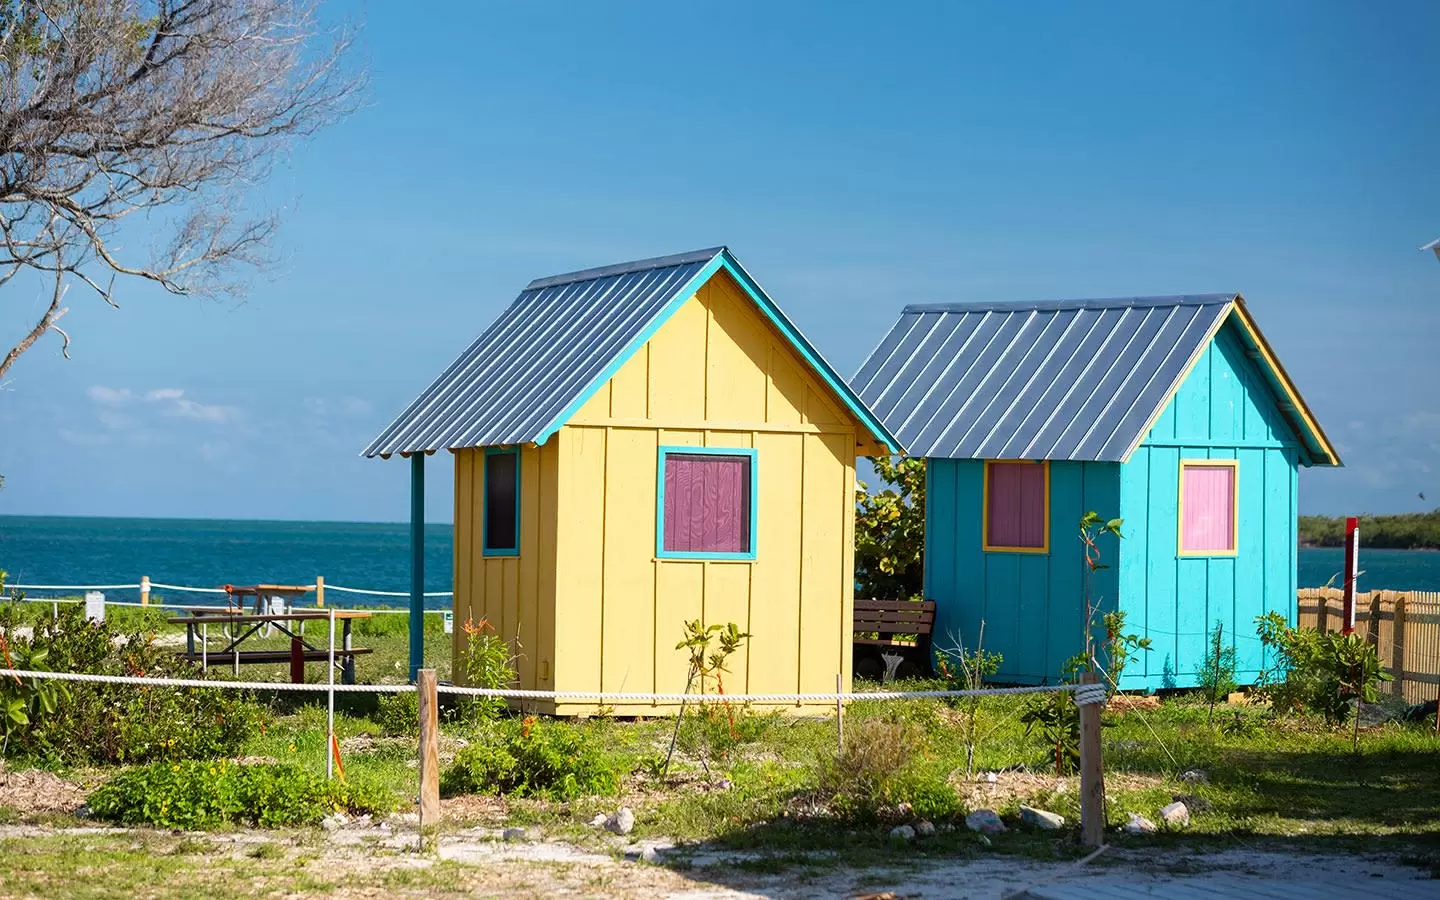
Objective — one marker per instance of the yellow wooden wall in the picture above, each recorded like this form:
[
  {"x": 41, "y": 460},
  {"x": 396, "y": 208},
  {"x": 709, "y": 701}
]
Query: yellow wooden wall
[
  {"x": 717, "y": 374},
  {"x": 587, "y": 603},
  {"x": 507, "y": 591}
]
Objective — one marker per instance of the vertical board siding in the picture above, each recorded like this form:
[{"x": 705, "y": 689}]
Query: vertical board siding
[
  {"x": 504, "y": 591},
  {"x": 715, "y": 375},
  {"x": 1032, "y": 605},
  {"x": 1222, "y": 410}
]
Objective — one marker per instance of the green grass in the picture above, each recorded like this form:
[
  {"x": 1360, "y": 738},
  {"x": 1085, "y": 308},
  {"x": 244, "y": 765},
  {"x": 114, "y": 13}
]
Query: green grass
[{"x": 1269, "y": 780}]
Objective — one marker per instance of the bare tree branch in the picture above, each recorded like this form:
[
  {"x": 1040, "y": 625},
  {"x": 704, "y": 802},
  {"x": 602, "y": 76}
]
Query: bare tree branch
[{"x": 110, "y": 108}]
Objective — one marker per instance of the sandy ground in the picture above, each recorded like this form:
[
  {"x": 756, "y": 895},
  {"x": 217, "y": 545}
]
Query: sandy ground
[{"x": 480, "y": 861}]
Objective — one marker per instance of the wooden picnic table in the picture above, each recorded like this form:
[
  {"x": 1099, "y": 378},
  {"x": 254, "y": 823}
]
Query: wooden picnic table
[{"x": 243, "y": 625}]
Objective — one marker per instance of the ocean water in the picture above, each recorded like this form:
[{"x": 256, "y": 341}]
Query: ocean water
[
  {"x": 213, "y": 552},
  {"x": 376, "y": 556}
]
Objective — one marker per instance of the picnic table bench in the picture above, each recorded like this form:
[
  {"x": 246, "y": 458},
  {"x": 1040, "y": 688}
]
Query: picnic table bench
[
  {"x": 888, "y": 620},
  {"x": 241, "y": 626}
]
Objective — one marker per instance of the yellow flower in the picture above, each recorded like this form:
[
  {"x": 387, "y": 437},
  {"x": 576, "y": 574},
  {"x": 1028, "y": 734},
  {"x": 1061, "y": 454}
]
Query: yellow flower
[
  {"x": 175, "y": 768},
  {"x": 292, "y": 748}
]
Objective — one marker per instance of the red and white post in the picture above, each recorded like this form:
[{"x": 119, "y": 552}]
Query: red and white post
[{"x": 1352, "y": 572}]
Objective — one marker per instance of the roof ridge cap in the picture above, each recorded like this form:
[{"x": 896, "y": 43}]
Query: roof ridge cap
[
  {"x": 1094, "y": 303},
  {"x": 625, "y": 268}
]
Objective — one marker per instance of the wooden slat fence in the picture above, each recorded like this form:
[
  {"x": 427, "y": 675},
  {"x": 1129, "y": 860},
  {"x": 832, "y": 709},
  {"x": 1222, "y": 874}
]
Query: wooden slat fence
[{"x": 1404, "y": 626}]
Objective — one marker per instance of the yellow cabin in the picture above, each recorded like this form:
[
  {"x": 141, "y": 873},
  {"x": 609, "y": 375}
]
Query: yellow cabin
[{"x": 640, "y": 445}]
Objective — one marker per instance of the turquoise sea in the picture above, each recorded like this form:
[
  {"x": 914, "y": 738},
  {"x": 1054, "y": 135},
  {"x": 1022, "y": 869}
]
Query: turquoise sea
[{"x": 376, "y": 556}]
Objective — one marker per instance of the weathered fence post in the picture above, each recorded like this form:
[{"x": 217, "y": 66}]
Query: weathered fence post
[
  {"x": 429, "y": 750},
  {"x": 144, "y": 590},
  {"x": 1092, "y": 771},
  {"x": 839, "y": 718},
  {"x": 319, "y": 591}
]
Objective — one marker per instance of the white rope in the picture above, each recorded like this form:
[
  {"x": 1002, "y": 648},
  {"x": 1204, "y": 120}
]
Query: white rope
[
  {"x": 182, "y": 587},
  {"x": 748, "y": 698},
  {"x": 72, "y": 587},
  {"x": 532, "y": 695},
  {"x": 350, "y": 590},
  {"x": 200, "y": 683}
]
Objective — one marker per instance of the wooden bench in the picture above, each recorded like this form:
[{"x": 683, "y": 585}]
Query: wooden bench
[{"x": 888, "y": 620}]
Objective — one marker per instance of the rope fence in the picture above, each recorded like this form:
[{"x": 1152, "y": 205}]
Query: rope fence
[{"x": 146, "y": 585}]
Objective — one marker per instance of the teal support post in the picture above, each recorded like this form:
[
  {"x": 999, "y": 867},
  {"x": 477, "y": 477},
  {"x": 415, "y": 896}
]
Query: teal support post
[{"x": 417, "y": 563}]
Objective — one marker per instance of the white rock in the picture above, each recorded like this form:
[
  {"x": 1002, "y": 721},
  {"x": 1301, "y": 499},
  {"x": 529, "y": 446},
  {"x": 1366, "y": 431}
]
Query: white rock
[
  {"x": 622, "y": 822},
  {"x": 1042, "y": 819},
  {"x": 599, "y": 820},
  {"x": 902, "y": 833},
  {"x": 1194, "y": 776},
  {"x": 990, "y": 777},
  {"x": 335, "y": 821},
  {"x": 925, "y": 828},
  {"x": 1176, "y": 815},
  {"x": 649, "y": 855},
  {"x": 1138, "y": 824},
  {"x": 513, "y": 834},
  {"x": 985, "y": 821}
]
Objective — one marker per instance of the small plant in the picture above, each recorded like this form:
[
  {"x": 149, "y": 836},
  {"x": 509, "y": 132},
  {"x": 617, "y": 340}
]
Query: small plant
[
  {"x": 398, "y": 715},
  {"x": 197, "y": 794},
  {"x": 1324, "y": 673},
  {"x": 1217, "y": 677},
  {"x": 489, "y": 664},
  {"x": 1056, "y": 718},
  {"x": 867, "y": 773},
  {"x": 966, "y": 670},
  {"x": 532, "y": 757},
  {"x": 707, "y": 663}
]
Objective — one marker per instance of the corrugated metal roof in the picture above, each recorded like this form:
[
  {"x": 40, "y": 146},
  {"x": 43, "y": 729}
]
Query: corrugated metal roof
[
  {"x": 559, "y": 341},
  {"x": 538, "y": 356},
  {"x": 1071, "y": 380}
]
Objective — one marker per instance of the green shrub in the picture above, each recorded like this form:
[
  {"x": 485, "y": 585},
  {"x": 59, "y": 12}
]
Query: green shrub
[
  {"x": 532, "y": 758},
  {"x": 197, "y": 794},
  {"x": 110, "y": 723},
  {"x": 398, "y": 715},
  {"x": 870, "y": 770},
  {"x": 1319, "y": 672}
]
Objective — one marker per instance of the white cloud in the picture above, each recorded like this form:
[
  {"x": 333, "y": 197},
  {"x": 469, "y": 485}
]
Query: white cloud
[
  {"x": 204, "y": 412},
  {"x": 167, "y": 401},
  {"x": 108, "y": 395}
]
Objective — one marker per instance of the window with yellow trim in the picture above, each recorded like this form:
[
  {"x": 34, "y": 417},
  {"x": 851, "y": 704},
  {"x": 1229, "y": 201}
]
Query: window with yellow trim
[
  {"x": 1017, "y": 506},
  {"x": 1208, "y": 507}
]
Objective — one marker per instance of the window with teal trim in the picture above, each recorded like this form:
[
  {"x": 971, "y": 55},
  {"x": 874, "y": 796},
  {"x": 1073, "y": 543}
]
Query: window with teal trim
[
  {"x": 706, "y": 503},
  {"x": 502, "y": 503}
]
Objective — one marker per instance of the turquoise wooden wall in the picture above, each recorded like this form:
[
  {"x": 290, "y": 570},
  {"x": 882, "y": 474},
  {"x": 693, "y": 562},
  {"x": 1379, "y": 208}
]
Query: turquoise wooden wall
[
  {"x": 1032, "y": 604},
  {"x": 1223, "y": 410}
]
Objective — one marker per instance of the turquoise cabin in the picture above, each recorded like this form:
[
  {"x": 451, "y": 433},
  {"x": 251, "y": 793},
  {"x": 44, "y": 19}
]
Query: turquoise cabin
[{"x": 1171, "y": 413}]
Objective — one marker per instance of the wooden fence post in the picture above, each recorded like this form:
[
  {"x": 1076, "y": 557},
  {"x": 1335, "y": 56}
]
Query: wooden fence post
[
  {"x": 1092, "y": 771},
  {"x": 429, "y": 750},
  {"x": 319, "y": 591},
  {"x": 144, "y": 590},
  {"x": 1397, "y": 647}
]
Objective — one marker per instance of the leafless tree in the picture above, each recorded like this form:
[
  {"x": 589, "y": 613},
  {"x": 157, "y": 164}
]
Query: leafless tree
[{"x": 167, "y": 108}]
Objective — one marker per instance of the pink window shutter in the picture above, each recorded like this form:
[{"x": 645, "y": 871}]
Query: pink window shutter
[
  {"x": 1017, "y": 505},
  {"x": 707, "y": 503},
  {"x": 1208, "y": 500}
]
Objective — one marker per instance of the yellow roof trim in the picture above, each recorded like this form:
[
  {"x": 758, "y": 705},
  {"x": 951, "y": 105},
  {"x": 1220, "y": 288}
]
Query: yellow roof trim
[{"x": 1248, "y": 323}]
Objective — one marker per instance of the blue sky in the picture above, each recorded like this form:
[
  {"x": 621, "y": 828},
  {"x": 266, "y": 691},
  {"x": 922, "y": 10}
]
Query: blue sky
[{"x": 855, "y": 157}]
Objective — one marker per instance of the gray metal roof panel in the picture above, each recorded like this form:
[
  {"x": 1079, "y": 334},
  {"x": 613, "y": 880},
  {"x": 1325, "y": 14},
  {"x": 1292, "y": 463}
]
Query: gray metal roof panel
[
  {"x": 1069, "y": 379},
  {"x": 542, "y": 352}
]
